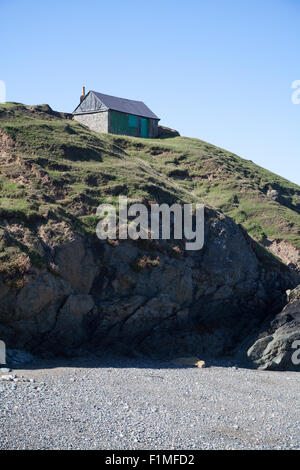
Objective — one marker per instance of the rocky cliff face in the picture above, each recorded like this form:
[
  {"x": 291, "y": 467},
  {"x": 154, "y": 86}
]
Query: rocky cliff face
[{"x": 148, "y": 296}]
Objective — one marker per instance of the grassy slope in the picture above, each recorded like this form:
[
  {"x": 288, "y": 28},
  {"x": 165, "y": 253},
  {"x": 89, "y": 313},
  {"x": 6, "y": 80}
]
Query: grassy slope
[
  {"x": 236, "y": 186},
  {"x": 54, "y": 168}
]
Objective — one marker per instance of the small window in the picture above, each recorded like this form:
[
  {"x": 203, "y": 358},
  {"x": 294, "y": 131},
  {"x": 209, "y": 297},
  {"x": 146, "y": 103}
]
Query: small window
[{"x": 132, "y": 121}]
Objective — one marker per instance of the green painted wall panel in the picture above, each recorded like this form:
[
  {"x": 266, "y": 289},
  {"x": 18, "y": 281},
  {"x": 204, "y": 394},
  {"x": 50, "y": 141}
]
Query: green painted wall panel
[
  {"x": 144, "y": 127},
  {"x": 132, "y": 121},
  {"x": 118, "y": 123},
  {"x": 128, "y": 124}
]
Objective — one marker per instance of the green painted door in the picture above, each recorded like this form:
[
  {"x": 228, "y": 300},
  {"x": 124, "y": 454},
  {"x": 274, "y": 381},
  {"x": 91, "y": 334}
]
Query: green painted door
[{"x": 144, "y": 127}]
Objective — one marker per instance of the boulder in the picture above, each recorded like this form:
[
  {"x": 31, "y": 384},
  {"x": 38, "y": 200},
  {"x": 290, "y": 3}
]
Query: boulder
[
  {"x": 167, "y": 132},
  {"x": 273, "y": 194},
  {"x": 279, "y": 349}
]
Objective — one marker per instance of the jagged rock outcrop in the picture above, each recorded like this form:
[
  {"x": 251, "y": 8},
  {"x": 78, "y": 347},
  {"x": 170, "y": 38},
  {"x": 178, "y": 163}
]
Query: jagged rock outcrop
[
  {"x": 150, "y": 296},
  {"x": 167, "y": 132},
  {"x": 279, "y": 347}
]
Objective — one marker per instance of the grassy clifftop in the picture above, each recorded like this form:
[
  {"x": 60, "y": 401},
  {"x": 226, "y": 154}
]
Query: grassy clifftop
[{"x": 52, "y": 168}]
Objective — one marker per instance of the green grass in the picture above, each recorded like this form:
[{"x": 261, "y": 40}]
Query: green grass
[
  {"x": 55, "y": 170},
  {"x": 225, "y": 181}
]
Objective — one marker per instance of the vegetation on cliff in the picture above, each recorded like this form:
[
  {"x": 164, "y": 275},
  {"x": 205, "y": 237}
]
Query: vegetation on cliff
[{"x": 55, "y": 172}]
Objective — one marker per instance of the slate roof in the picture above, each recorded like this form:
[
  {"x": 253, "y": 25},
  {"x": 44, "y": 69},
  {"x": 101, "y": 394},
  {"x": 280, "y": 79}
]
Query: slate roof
[{"x": 123, "y": 105}]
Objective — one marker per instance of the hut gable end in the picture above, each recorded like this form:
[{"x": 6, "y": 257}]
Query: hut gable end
[{"x": 90, "y": 104}]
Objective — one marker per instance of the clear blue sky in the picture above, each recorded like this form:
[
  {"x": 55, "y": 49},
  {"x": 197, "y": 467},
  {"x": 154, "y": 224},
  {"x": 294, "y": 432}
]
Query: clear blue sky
[{"x": 219, "y": 70}]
